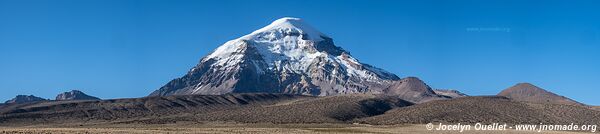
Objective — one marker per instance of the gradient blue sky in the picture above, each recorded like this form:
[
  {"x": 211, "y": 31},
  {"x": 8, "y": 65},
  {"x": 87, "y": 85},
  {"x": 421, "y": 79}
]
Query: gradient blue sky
[{"x": 128, "y": 48}]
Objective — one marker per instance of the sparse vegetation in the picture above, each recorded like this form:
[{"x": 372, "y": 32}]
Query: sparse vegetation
[
  {"x": 487, "y": 110},
  {"x": 277, "y": 113}
]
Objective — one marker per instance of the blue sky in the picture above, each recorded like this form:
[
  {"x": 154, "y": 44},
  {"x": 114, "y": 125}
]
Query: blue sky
[{"x": 129, "y": 48}]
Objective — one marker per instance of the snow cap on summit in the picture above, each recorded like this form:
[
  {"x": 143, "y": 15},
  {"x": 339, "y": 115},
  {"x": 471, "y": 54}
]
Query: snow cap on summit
[
  {"x": 288, "y": 25},
  {"x": 286, "y": 56}
]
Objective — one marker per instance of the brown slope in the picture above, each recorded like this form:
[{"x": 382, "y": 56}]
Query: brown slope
[
  {"x": 247, "y": 108},
  {"x": 412, "y": 89},
  {"x": 530, "y": 93},
  {"x": 487, "y": 110},
  {"x": 106, "y": 111},
  {"x": 330, "y": 109}
]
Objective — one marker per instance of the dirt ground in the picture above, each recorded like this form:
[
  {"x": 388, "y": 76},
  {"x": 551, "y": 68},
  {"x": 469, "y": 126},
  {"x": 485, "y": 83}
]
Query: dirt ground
[{"x": 227, "y": 128}]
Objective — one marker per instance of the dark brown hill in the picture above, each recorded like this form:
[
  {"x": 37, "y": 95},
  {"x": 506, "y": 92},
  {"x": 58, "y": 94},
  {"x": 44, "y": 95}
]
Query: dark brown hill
[
  {"x": 330, "y": 109},
  {"x": 487, "y": 110},
  {"x": 412, "y": 89},
  {"x": 530, "y": 93},
  {"x": 106, "y": 111},
  {"x": 247, "y": 108},
  {"x": 282, "y": 108}
]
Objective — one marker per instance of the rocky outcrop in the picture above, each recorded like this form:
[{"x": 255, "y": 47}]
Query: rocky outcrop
[
  {"x": 24, "y": 99},
  {"x": 448, "y": 93},
  {"x": 75, "y": 95}
]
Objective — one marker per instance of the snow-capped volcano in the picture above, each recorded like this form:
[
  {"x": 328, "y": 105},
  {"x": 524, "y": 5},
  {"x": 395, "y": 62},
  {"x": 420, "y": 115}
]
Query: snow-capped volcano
[
  {"x": 289, "y": 44},
  {"x": 287, "y": 56}
]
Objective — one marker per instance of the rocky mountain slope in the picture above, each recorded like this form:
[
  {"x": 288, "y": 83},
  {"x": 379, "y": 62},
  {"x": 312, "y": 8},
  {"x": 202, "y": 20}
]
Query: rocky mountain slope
[
  {"x": 24, "y": 99},
  {"x": 531, "y": 93},
  {"x": 288, "y": 56},
  {"x": 449, "y": 93},
  {"x": 75, "y": 95}
]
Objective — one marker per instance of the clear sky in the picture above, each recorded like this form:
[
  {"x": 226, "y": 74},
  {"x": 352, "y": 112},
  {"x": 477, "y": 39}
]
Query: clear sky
[{"x": 129, "y": 48}]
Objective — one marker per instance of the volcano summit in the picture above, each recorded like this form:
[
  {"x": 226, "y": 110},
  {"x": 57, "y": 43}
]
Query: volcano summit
[{"x": 287, "y": 56}]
